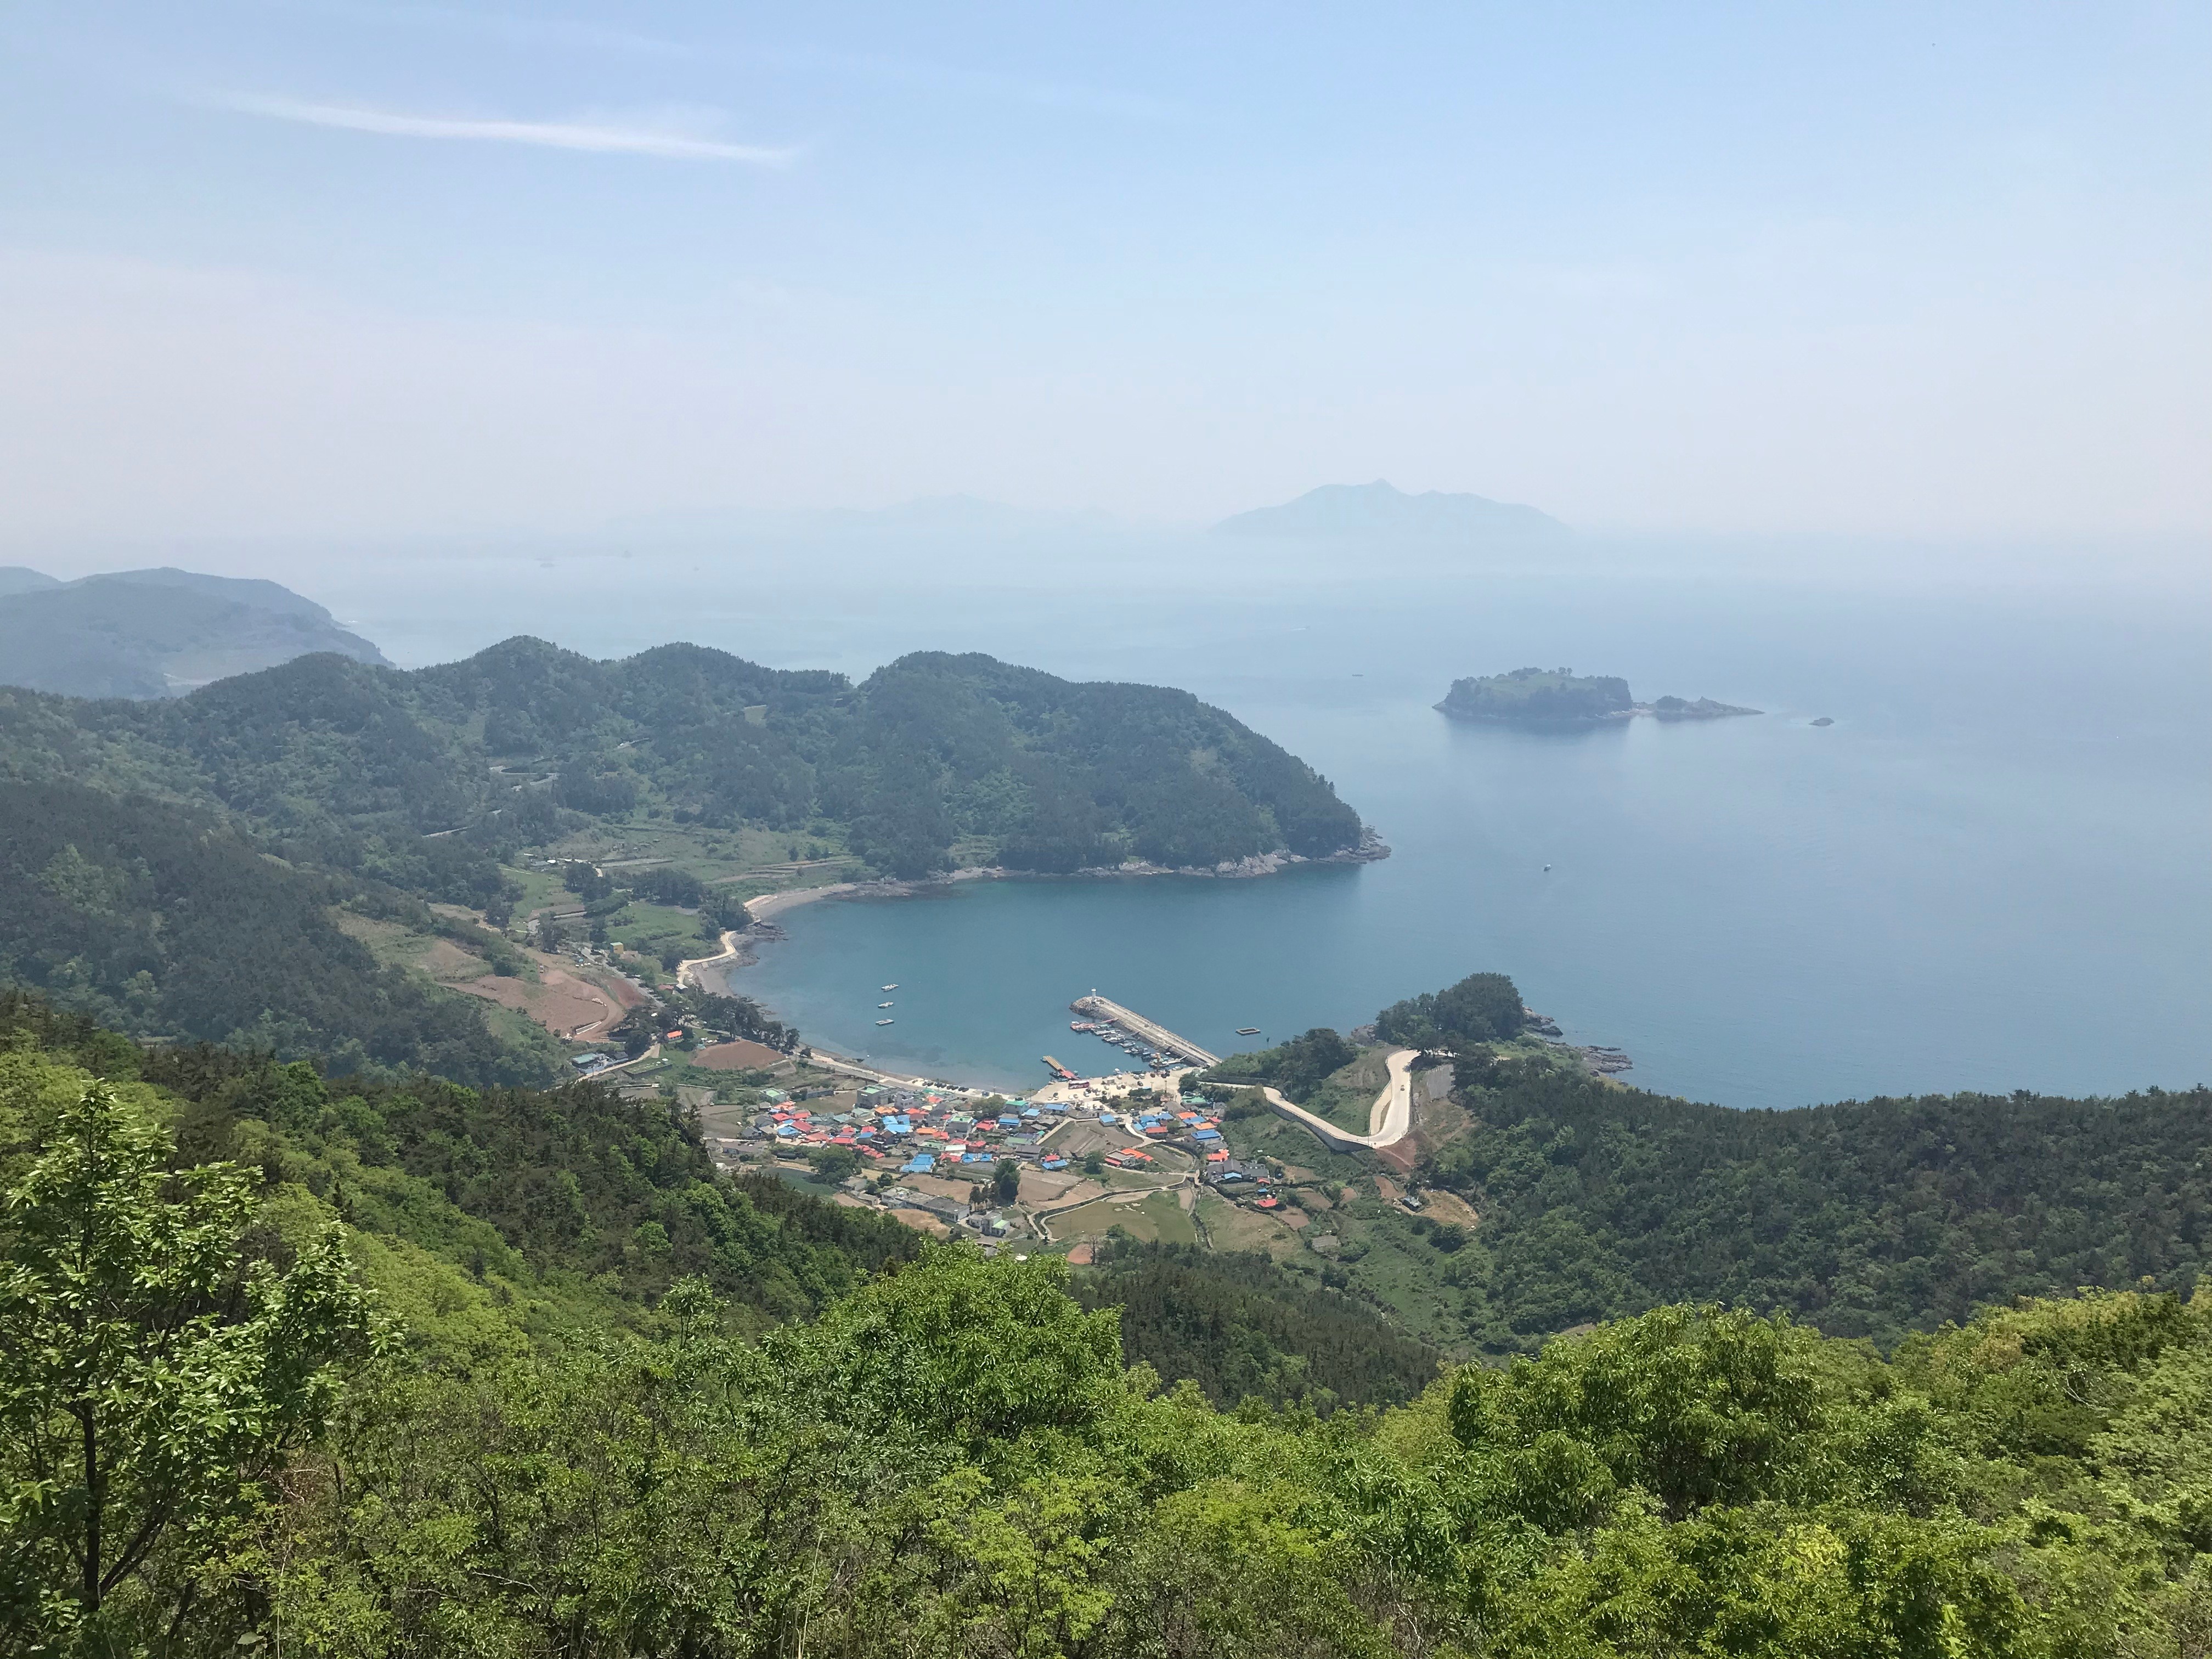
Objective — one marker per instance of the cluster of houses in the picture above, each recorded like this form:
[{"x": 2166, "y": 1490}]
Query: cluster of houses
[
  {"x": 915, "y": 1131},
  {"x": 1199, "y": 1133},
  {"x": 920, "y": 1131}
]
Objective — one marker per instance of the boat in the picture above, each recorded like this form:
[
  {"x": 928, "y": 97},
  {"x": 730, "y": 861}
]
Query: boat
[
  {"x": 893, "y": 986},
  {"x": 885, "y": 1004},
  {"x": 1248, "y": 1030},
  {"x": 882, "y": 1022}
]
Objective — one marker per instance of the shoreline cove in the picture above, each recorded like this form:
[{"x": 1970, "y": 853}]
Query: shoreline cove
[
  {"x": 762, "y": 908},
  {"x": 738, "y": 950}
]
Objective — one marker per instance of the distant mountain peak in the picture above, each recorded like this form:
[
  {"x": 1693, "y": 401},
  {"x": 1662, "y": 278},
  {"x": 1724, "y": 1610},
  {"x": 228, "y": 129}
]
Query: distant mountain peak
[
  {"x": 1380, "y": 509},
  {"x": 156, "y": 632},
  {"x": 21, "y": 578}
]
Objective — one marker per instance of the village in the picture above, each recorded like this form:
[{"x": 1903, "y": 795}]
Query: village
[{"x": 1055, "y": 1168}]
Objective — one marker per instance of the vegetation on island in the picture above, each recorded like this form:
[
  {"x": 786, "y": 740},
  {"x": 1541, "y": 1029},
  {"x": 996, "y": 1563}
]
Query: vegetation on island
[
  {"x": 1558, "y": 696},
  {"x": 1538, "y": 695},
  {"x": 1698, "y": 708},
  {"x": 1337, "y": 1078},
  {"x": 1243, "y": 1328},
  {"x": 1296, "y": 1067},
  {"x": 359, "y": 1401}
]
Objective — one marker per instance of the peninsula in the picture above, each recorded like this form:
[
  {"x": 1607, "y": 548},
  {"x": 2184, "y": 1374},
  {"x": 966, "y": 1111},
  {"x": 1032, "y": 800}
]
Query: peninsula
[
  {"x": 1560, "y": 697},
  {"x": 473, "y": 862}
]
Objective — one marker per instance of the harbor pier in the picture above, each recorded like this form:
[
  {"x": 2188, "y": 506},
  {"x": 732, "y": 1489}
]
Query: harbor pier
[{"x": 1097, "y": 1007}]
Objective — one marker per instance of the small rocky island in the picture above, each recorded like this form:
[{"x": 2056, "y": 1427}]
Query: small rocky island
[{"x": 1560, "y": 697}]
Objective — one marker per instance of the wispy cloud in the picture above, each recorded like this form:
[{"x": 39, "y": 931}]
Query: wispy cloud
[{"x": 603, "y": 136}]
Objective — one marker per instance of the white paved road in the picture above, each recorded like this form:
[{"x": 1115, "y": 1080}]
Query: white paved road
[{"x": 1389, "y": 1122}]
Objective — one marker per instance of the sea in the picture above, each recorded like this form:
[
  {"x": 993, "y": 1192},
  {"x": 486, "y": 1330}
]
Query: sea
[{"x": 1992, "y": 870}]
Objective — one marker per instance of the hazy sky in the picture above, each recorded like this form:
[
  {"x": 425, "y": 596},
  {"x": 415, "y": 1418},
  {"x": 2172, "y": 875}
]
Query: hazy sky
[{"x": 274, "y": 267}]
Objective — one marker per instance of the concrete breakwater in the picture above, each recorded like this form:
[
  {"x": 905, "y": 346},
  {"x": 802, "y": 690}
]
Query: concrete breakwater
[{"x": 1097, "y": 1007}]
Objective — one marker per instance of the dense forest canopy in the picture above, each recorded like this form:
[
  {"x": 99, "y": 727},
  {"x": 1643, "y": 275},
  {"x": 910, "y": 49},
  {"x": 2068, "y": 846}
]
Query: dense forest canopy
[
  {"x": 360, "y": 1401},
  {"x": 1242, "y": 1328},
  {"x": 342, "y": 763},
  {"x": 1481, "y": 1008},
  {"x": 1870, "y": 1218},
  {"x": 166, "y": 919},
  {"x": 1295, "y": 1067}
]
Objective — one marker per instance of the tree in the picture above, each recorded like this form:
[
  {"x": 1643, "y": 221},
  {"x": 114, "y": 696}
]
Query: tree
[
  {"x": 1007, "y": 1181},
  {"x": 150, "y": 1379},
  {"x": 1480, "y": 1008},
  {"x": 1094, "y": 1164},
  {"x": 637, "y": 1030}
]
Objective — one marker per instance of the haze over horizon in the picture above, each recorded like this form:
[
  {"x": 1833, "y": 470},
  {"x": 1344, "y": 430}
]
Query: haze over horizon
[{"x": 276, "y": 269}]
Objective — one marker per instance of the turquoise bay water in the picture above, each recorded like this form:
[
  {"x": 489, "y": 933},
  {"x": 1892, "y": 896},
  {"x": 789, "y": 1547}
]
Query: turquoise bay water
[{"x": 1990, "y": 872}]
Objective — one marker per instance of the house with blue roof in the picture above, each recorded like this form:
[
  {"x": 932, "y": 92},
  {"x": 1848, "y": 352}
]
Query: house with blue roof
[{"x": 920, "y": 1164}]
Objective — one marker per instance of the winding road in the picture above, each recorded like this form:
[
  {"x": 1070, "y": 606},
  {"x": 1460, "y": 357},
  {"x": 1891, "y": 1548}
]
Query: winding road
[{"x": 1389, "y": 1122}]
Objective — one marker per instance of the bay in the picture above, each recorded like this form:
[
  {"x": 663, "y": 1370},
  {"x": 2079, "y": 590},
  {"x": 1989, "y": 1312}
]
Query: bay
[{"x": 1990, "y": 872}]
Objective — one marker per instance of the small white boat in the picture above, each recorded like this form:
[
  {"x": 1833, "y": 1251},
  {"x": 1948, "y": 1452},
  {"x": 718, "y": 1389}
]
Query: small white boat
[
  {"x": 893, "y": 986},
  {"x": 885, "y": 1004},
  {"x": 882, "y": 1022}
]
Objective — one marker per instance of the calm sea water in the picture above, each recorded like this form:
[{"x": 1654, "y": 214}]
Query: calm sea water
[{"x": 1990, "y": 872}]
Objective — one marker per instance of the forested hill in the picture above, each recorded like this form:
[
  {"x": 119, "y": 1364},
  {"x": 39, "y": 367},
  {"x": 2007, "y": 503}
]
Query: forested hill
[
  {"x": 412, "y": 1371},
  {"x": 160, "y": 917},
  {"x": 342, "y": 763},
  {"x": 154, "y": 633},
  {"x": 1870, "y": 1218}
]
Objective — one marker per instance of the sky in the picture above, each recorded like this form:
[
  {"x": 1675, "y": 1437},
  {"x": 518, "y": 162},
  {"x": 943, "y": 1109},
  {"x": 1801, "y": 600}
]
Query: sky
[{"x": 275, "y": 268}]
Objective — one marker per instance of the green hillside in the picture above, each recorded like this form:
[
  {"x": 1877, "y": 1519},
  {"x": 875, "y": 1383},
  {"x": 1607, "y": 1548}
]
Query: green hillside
[
  {"x": 425, "y": 1371},
  {"x": 168, "y": 921},
  {"x": 347, "y": 765},
  {"x": 1869, "y": 1219},
  {"x": 134, "y": 833},
  {"x": 1243, "y": 1328}
]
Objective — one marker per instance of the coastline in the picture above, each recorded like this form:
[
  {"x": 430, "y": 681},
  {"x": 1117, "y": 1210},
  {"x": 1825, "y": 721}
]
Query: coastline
[
  {"x": 761, "y": 910},
  {"x": 1703, "y": 709}
]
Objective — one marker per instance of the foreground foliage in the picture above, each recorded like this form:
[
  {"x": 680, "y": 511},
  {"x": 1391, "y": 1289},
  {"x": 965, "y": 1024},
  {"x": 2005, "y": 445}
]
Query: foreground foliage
[
  {"x": 952, "y": 1456},
  {"x": 1244, "y": 1330}
]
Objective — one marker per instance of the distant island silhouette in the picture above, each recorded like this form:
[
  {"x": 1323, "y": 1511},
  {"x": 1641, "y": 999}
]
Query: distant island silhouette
[
  {"x": 1381, "y": 511},
  {"x": 1559, "y": 696}
]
